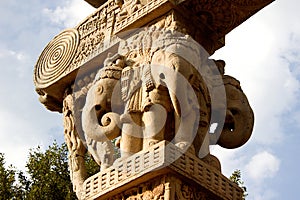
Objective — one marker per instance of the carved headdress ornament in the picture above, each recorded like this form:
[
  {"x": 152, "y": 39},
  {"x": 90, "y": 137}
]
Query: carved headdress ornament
[
  {"x": 182, "y": 45},
  {"x": 113, "y": 66}
]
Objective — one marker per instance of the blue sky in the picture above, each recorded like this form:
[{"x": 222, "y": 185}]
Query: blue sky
[{"x": 263, "y": 53}]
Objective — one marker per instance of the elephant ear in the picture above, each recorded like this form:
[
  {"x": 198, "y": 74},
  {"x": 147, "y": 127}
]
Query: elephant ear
[{"x": 239, "y": 119}]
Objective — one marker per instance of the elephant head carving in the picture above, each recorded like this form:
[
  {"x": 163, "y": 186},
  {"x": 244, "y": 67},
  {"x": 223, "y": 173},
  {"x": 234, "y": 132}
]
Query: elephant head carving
[
  {"x": 239, "y": 119},
  {"x": 99, "y": 124}
]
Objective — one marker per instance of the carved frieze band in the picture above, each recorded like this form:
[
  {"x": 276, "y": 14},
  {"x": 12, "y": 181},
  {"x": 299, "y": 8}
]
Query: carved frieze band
[
  {"x": 122, "y": 24},
  {"x": 222, "y": 16},
  {"x": 71, "y": 48},
  {"x": 68, "y": 50}
]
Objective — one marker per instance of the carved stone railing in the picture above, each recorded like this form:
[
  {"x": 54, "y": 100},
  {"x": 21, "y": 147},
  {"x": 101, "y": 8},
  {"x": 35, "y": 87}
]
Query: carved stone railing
[{"x": 160, "y": 159}]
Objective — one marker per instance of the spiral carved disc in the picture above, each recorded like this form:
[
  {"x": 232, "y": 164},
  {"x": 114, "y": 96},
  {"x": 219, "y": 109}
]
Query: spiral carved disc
[{"x": 56, "y": 58}]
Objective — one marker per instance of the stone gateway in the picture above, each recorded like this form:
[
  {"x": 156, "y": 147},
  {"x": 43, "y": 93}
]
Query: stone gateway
[{"x": 135, "y": 77}]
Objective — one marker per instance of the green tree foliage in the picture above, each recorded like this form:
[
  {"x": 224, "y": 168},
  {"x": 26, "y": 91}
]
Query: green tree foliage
[
  {"x": 91, "y": 166},
  {"x": 236, "y": 178},
  {"x": 13, "y": 184},
  {"x": 22, "y": 186},
  {"x": 7, "y": 179},
  {"x": 49, "y": 174}
]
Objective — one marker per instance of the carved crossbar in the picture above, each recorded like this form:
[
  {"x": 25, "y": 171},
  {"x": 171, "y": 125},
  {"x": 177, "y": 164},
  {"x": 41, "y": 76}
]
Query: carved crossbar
[{"x": 81, "y": 46}]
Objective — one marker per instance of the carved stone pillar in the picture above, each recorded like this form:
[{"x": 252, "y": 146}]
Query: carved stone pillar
[
  {"x": 135, "y": 77},
  {"x": 75, "y": 146}
]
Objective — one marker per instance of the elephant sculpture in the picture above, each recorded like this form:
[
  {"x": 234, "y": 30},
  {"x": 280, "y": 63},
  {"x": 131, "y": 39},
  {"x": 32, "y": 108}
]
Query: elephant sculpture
[
  {"x": 239, "y": 119},
  {"x": 164, "y": 94},
  {"x": 99, "y": 124},
  {"x": 157, "y": 88},
  {"x": 177, "y": 71}
]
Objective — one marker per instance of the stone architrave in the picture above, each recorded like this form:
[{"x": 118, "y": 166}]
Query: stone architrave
[{"x": 135, "y": 76}]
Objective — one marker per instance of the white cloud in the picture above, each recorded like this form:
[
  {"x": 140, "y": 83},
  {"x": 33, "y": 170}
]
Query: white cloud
[
  {"x": 22, "y": 59},
  {"x": 230, "y": 158},
  {"x": 256, "y": 169},
  {"x": 260, "y": 53},
  {"x": 261, "y": 166},
  {"x": 260, "y": 194},
  {"x": 21, "y": 131},
  {"x": 263, "y": 53},
  {"x": 24, "y": 122},
  {"x": 70, "y": 14}
]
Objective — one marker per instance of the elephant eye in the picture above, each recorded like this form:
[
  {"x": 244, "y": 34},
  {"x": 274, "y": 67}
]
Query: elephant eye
[
  {"x": 100, "y": 89},
  {"x": 234, "y": 111},
  {"x": 97, "y": 107}
]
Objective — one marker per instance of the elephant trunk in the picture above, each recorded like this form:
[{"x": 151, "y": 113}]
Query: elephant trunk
[
  {"x": 239, "y": 116},
  {"x": 108, "y": 129}
]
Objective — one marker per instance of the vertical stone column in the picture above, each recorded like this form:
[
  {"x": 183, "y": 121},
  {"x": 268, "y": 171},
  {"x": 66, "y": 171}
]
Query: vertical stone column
[
  {"x": 75, "y": 145},
  {"x": 138, "y": 73}
]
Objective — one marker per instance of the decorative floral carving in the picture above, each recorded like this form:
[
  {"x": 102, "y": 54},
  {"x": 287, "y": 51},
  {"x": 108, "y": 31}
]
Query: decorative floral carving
[
  {"x": 185, "y": 191},
  {"x": 152, "y": 190},
  {"x": 75, "y": 146}
]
